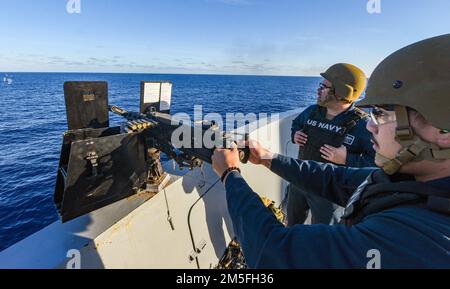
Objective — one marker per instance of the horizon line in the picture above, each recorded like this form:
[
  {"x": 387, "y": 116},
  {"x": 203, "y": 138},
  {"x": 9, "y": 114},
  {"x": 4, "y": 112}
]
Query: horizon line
[{"x": 160, "y": 73}]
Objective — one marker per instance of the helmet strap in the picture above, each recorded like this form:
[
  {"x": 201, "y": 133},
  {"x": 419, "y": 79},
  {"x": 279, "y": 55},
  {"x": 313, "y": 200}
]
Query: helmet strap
[{"x": 413, "y": 147}]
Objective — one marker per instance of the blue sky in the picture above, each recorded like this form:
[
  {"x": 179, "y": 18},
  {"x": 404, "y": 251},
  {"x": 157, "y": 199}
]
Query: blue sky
[{"x": 262, "y": 37}]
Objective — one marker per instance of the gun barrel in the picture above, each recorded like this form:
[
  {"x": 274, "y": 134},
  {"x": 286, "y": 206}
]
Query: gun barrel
[
  {"x": 118, "y": 110},
  {"x": 138, "y": 121},
  {"x": 124, "y": 113}
]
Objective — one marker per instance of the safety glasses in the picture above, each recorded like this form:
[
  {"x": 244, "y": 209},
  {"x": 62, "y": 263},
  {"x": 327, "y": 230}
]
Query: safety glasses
[
  {"x": 323, "y": 86},
  {"x": 382, "y": 115}
]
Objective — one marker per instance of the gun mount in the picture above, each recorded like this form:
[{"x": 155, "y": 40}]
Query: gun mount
[{"x": 100, "y": 165}]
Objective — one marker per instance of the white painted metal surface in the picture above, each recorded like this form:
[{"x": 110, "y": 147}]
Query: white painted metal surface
[{"x": 136, "y": 233}]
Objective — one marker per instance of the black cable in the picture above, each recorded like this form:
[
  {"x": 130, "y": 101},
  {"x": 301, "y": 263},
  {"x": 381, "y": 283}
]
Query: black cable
[{"x": 189, "y": 221}]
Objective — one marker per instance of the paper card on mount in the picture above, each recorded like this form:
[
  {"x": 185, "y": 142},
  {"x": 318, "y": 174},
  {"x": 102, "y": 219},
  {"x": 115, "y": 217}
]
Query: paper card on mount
[
  {"x": 152, "y": 92},
  {"x": 166, "y": 96}
]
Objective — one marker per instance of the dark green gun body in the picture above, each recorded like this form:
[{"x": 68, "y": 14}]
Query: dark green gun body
[{"x": 100, "y": 165}]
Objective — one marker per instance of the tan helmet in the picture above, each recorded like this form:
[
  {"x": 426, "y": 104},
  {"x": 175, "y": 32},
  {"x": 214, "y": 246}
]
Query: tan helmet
[
  {"x": 348, "y": 80},
  {"x": 417, "y": 76}
]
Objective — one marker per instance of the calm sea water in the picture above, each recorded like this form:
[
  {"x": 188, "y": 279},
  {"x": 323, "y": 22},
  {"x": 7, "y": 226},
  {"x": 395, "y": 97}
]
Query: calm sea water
[{"x": 32, "y": 121}]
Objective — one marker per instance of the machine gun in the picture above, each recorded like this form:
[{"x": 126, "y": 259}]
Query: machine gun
[
  {"x": 159, "y": 127},
  {"x": 100, "y": 165}
]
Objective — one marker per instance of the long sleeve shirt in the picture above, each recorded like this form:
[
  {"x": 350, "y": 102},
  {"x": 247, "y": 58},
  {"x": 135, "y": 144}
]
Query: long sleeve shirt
[{"x": 403, "y": 237}]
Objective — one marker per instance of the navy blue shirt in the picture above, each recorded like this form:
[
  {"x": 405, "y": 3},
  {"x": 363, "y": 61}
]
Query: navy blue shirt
[
  {"x": 360, "y": 152},
  {"x": 405, "y": 237}
]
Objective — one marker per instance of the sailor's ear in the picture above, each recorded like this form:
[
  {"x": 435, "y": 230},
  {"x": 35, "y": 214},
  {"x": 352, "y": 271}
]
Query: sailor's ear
[
  {"x": 443, "y": 139},
  {"x": 340, "y": 98}
]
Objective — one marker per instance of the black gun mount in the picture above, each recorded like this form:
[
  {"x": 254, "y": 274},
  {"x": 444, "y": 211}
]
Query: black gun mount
[{"x": 100, "y": 165}]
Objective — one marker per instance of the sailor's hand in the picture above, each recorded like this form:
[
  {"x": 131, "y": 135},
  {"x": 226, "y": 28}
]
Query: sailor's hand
[
  {"x": 300, "y": 138},
  {"x": 223, "y": 159},
  {"x": 334, "y": 155},
  {"x": 259, "y": 155}
]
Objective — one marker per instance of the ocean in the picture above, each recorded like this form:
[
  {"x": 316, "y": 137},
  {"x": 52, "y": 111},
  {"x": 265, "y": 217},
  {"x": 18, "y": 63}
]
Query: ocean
[{"x": 33, "y": 120}]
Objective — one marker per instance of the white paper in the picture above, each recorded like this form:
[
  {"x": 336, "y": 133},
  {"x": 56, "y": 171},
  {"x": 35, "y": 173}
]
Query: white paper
[
  {"x": 152, "y": 92},
  {"x": 166, "y": 96}
]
